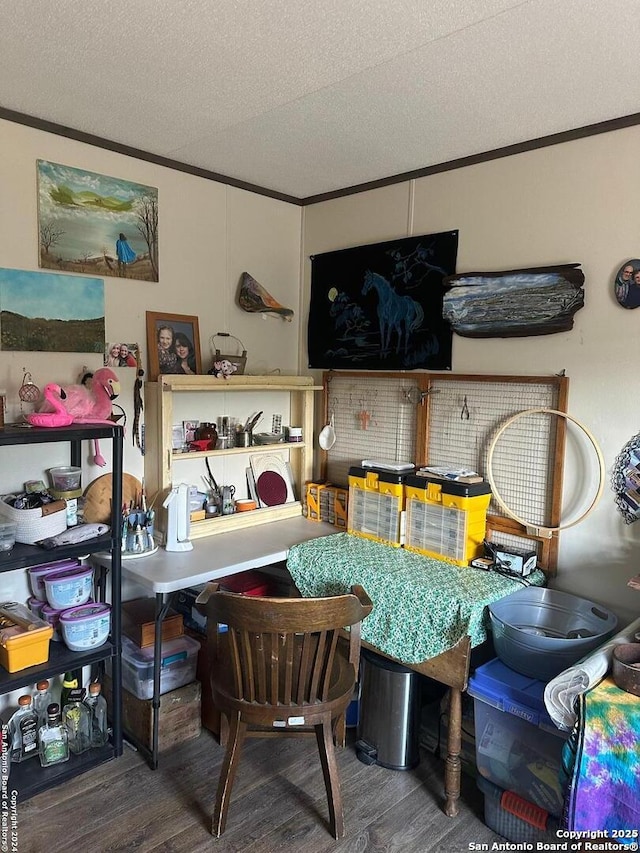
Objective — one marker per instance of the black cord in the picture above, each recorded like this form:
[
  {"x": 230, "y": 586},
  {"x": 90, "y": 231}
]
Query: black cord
[{"x": 501, "y": 567}]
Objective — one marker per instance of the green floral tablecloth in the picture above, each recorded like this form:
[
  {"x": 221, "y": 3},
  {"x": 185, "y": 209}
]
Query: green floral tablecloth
[{"x": 421, "y": 606}]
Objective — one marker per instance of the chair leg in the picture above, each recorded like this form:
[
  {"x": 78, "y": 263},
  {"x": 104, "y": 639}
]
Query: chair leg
[
  {"x": 340, "y": 731},
  {"x": 324, "y": 737},
  {"x": 237, "y": 732}
]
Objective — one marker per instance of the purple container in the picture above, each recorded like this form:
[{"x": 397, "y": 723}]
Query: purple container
[
  {"x": 35, "y": 605},
  {"x": 53, "y": 618},
  {"x": 85, "y": 627},
  {"x": 37, "y": 575},
  {"x": 69, "y": 588}
]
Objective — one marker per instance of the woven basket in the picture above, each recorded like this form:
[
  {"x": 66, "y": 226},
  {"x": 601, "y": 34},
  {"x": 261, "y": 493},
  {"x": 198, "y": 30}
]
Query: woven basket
[
  {"x": 31, "y": 524},
  {"x": 239, "y": 359}
]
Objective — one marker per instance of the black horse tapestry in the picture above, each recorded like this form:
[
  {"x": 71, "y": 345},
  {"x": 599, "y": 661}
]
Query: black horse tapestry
[{"x": 379, "y": 307}]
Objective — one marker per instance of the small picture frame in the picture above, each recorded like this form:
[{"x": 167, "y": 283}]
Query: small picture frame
[
  {"x": 173, "y": 344},
  {"x": 121, "y": 355},
  {"x": 189, "y": 429}
]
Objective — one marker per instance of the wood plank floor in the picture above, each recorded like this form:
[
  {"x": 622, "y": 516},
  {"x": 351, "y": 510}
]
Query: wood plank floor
[{"x": 278, "y": 804}]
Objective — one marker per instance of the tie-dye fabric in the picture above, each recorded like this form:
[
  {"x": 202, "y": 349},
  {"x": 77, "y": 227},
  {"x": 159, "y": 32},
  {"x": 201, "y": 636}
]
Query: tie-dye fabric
[{"x": 605, "y": 787}]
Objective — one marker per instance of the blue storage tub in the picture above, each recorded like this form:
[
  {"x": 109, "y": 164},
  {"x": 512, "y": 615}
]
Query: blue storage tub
[{"x": 518, "y": 747}]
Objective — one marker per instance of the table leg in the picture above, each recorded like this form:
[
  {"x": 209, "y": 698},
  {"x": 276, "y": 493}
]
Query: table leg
[
  {"x": 454, "y": 744},
  {"x": 162, "y": 606}
]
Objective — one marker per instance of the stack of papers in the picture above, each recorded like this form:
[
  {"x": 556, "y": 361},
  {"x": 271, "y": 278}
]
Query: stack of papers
[
  {"x": 385, "y": 465},
  {"x": 443, "y": 472}
]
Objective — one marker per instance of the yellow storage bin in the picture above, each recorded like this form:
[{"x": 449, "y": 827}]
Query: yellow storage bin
[
  {"x": 25, "y": 649},
  {"x": 326, "y": 502},
  {"x": 376, "y": 503},
  {"x": 446, "y": 519}
]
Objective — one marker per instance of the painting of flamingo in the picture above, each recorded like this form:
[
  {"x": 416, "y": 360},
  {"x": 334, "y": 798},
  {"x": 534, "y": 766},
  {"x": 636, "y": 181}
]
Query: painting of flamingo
[{"x": 380, "y": 307}]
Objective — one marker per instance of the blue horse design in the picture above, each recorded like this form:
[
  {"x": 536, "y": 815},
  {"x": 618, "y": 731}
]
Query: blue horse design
[{"x": 396, "y": 313}]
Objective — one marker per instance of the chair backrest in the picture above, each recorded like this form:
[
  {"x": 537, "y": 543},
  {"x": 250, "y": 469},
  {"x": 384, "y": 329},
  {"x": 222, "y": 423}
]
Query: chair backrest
[{"x": 282, "y": 649}]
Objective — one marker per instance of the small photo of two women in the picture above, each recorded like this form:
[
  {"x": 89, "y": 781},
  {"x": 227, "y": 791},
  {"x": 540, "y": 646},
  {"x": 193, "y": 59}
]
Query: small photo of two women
[{"x": 121, "y": 355}]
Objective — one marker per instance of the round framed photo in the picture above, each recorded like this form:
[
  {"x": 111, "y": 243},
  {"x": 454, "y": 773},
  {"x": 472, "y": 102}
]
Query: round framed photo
[{"x": 627, "y": 284}]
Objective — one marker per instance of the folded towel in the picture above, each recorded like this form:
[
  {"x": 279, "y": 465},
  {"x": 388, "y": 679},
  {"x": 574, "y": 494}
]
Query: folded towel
[{"x": 561, "y": 692}]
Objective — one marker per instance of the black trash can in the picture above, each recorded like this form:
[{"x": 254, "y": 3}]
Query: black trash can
[{"x": 389, "y": 721}]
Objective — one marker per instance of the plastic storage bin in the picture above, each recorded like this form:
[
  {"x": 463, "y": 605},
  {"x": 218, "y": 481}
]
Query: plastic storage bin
[
  {"x": 445, "y": 519},
  {"x": 21, "y": 648},
  {"x": 515, "y": 818},
  {"x": 375, "y": 505},
  {"x": 326, "y": 502},
  {"x": 517, "y": 745},
  {"x": 85, "y": 627},
  {"x": 69, "y": 587},
  {"x": 37, "y": 575},
  {"x": 179, "y": 660},
  {"x": 540, "y": 632}
]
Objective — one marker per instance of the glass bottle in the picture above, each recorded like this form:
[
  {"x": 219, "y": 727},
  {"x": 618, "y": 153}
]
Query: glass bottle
[
  {"x": 69, "y": 682},
  {"x": 97, "y": 705},
  {"x": 76, "y": 720},
  {"x": 23, "y": 728},
  {"x": 41, "y": 701},
  {"x": 53, "y": 738},
  {"x": 208, "y": 432}
]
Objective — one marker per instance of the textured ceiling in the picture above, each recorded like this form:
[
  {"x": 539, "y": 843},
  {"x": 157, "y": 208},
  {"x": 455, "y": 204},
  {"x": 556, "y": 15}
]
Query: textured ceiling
[{"x": 302, "y": 98}]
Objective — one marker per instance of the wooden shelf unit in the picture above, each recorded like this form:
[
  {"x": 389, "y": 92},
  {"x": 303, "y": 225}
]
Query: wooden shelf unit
[{"x": 162, "y": 464}]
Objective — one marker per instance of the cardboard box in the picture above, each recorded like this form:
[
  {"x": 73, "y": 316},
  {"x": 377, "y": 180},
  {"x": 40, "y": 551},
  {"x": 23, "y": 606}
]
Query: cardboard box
[
  {"x": 138, "y": 622},
  {"x": 179, "y": 720}
]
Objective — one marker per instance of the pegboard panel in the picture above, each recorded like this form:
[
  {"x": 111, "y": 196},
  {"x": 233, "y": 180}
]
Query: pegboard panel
[
  {"x": 450, "y": 420},
  {"x": 465, "y": 414},
  {"x": 374, "y": 418}
]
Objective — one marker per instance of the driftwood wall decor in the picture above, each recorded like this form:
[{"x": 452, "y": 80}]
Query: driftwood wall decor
[{"x": 514, "y": 303}]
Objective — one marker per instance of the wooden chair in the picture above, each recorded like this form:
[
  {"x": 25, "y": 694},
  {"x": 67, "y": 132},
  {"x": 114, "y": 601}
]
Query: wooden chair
[{"x": 282, "y": 669}]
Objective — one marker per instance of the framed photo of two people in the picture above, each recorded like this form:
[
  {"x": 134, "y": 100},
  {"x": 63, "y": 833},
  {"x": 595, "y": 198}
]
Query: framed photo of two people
[{"x": 173, "y": 344}]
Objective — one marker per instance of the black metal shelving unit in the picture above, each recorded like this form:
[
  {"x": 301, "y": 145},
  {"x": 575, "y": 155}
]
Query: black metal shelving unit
[{"x": 29, "y": 778}]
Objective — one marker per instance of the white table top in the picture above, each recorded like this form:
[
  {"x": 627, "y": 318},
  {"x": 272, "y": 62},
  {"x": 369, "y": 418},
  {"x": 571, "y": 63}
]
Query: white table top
[{"x": 223, "y": 554}]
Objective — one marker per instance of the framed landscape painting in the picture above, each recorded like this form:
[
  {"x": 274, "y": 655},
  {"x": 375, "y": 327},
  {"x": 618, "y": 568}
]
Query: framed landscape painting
[
  {"x": 50, "y": 312},
  {"x": 94, "y": 224}
]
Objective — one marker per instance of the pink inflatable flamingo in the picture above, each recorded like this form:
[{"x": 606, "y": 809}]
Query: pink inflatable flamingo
[
  {"x": 90, "y": 403},
  {"x": 54, "y": 395}
]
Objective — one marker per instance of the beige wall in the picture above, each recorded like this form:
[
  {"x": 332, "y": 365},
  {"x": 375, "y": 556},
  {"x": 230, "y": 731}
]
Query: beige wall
[
  {"x": 570, "y": 203},
  {"x": 564, "y": 204},
  {"x": 208, "y": 235}
]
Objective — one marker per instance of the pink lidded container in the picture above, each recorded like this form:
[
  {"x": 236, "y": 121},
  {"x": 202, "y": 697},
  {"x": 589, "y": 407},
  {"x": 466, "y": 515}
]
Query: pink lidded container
[{"x": 37, "y": 574}]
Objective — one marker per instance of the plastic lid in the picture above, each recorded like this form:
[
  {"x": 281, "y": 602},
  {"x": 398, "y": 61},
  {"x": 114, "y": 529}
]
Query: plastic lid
[
  {"x": 53, "y": 709},
  {"x": 94, "y": 688},
  {"x": 42, "y": 685},
  {"x": 23, "y": 701}
]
